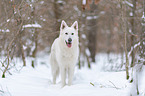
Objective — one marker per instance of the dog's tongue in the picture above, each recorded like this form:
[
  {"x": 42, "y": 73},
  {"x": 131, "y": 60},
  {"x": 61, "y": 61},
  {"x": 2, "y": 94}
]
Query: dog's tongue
[{"x": 69, "y": 45}]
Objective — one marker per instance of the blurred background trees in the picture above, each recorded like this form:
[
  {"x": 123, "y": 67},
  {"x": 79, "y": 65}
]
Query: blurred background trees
[{"x": 28, "y": 27}]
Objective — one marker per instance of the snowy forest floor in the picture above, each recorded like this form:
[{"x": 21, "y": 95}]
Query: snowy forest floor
[{"x": 87, "y": 82}]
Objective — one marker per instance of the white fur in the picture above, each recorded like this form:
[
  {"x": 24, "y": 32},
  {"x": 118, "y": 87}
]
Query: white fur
[{"x": 63, "y": 58}]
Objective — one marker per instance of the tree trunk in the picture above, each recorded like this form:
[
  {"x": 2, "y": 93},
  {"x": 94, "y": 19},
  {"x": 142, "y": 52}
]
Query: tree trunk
[
  {"x": 133, "y": 31},
  {"x": 92, "y": 38},
  {"x": 58, "y": 14},
  {"x": 22, "y": 51},
  {"x": 124, "y": 29},
  {"x": 92, "y": 30},
  {"x": 142, "y": 46},
  {"x": 36, "y": 47}
]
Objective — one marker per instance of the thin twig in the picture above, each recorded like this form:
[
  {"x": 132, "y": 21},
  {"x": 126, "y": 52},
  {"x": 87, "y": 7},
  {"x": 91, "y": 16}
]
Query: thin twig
[
  {"x": 9, "y": 91},
  {"x": 8, "y": 50},
  {"x": 1, "y": 91},
  {"x": 114, "y": 85},
  {"x": 92, "y": 83}
]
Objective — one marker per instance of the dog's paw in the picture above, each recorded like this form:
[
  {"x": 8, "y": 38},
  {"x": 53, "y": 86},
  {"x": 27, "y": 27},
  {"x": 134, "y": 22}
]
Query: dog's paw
[
  {"x": 69, "y": 83},
  {"x": 62, "y": 85},
  {"x": 54, "y": 81}
]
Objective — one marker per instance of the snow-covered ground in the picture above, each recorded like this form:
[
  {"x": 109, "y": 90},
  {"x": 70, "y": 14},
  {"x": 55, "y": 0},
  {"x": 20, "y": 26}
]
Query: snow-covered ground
[{"x": 87, "y": 82}]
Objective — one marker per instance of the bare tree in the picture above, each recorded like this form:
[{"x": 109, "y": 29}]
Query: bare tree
[{"x": 124, "y": 29}]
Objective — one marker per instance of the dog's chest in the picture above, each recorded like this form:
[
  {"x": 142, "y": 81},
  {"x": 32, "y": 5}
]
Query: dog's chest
[
  {"x": 68, "y": 53},
  {"x": 68, "y": 56}
]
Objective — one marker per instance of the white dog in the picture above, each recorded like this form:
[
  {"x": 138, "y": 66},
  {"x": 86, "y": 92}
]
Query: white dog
[{"x": 64, "y": 53}]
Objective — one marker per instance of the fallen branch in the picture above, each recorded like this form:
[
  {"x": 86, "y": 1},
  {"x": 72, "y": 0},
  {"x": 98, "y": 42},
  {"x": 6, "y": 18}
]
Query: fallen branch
[
  {"x": 92, "y": 83},
  {"x": 114, "y": 85}
]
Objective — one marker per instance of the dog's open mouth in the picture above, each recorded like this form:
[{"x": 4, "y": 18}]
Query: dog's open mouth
[{"x": 69, "y": 44}]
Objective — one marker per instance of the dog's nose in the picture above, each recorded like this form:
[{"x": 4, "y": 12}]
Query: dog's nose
[{"x": 69, "y": 40}]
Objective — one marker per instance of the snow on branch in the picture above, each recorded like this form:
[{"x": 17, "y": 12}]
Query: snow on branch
[
  {"x": 32, "y": 26},
  {"x": 84, "y": 2},
  {"x": 61, "y": 2},
  {"x": 88, "y": 52},
  {"x": 143, "y": 17},
  {"x": 128, "y": 3},
  {"x": 6, "y": 30},
  {"x": 133, "y": 47},
  {"x": 92, "y": 17}
]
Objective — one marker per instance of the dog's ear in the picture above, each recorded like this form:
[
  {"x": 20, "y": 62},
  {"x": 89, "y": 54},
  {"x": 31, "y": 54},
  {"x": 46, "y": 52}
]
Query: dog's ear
[
  {"x": 63, "y": 25},
  {"x": 75, "y": 25}
]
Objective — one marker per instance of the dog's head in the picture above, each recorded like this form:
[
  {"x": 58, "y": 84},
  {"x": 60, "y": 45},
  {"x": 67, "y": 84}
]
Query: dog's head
[{"x": 69, "y": 34}]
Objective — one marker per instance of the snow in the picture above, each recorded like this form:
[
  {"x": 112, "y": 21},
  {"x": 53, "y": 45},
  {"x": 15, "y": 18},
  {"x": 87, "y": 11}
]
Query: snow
[
  {"x": 139, "y": 80},
  {"x": 89, "y": 17},
  {"x": 128, "y": 3},
  {"x": 130, "y": 14},
  {"x": 24, "y": 47},
  {"x": 92, "y": 17},
  {"x": 15, "y": 12},
  {"x": 88, "y": 52},
  {"x": 61, "y": 2},
  {"x": 84, "y": 2},
  {"x": 132, "y": 48},
  {"x": 130, "y": 31},
  {"x": 76, "y": 8},
  {"x": 8, "y": 20},
  {"x": 84, "y": 36},
  {"x": 38, "y": 81},
  {"x": 4, "y": 30},
  {"x": 102, "y": 12},
  {"x": 32, "y": 26},
  {"x": 143, "y": 16},
  {"x": 41, "y": 2}
]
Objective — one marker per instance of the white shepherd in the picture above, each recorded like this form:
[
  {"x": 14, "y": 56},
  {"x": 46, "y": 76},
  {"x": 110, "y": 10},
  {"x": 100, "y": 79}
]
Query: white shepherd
[{"x": 64, "y": 53}]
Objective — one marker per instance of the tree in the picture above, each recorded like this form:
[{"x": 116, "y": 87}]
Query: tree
[{"x": 89, "y": 18}]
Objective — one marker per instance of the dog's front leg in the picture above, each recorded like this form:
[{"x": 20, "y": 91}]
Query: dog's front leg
[
  {"x": 70, "y": 75},
  {"x": 63, "y": 76}
]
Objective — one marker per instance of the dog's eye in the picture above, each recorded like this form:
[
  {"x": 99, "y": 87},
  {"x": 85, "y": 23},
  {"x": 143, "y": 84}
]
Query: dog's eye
[
  {"x": 72, "y": 33},
  {"x": 66, "y": 33}
]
